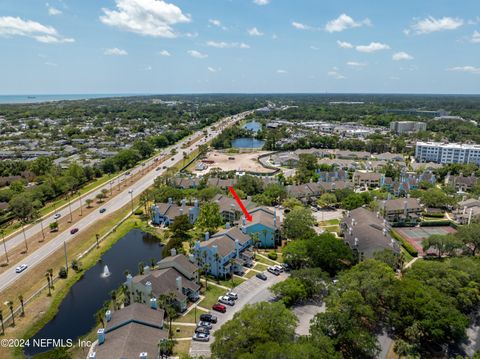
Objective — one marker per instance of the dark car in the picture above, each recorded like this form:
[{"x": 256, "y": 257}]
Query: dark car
[
  {"x": 261, "y": 276},
  {"x": 219, "y": 308},
  {"x": 102, "y": 210},
  {"x": 208, "y": 318},
  {"x": 74, "y": 230}
]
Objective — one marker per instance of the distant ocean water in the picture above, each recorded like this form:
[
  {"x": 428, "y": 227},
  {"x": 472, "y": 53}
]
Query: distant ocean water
[{"x": 11, "y": 99}]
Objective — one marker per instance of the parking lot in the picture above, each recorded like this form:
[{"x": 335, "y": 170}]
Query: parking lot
[{"x": 251, "y": 291}]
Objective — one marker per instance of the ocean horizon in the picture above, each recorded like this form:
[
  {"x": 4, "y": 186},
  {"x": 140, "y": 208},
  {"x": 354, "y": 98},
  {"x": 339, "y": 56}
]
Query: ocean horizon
[{"x": 33, "y": 98}]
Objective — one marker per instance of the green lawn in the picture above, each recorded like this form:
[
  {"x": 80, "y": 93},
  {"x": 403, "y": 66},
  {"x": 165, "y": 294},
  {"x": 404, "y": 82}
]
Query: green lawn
[
  {"x": 190, "y": 316},
  {"x": 228, "y": 282},
  {"x": 181, "y": 331},
  {"x": 182, "y": 347},
  {"x": 263, "y": 260},
  {"x": 330, "y": 222},
  {"x": 250, "y": 274},
  {"x": 211, "y": 296},
  {"x": 260, "y": 266}
]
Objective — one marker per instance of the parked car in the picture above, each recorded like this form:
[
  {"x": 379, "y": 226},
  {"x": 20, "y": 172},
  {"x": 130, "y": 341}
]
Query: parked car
[
  {"x": 273, "y": 270},
  {"x": 208, "y": 318},
  {"x": 57, "y": 216},
  {"x": 286, "y": 267},
  {"x": 73, "y": 230},
  {"x": 203, "y": 330},
  {"x": 261, "y": 276},
  {"x": 226, "y": 300},
  {"x": 102, "y": 210},
  {"x": 219, "y": 308},
  {"x": 205, "y": 324},
  {"x": 157, "y": 169},
  {"x": 21, "y": 268},
  {"x": 201, "y": 337},
  {"x": 232, "y": 295},
  {"x": 278, "y": 268},
  {"x": 164, "y": 167}
]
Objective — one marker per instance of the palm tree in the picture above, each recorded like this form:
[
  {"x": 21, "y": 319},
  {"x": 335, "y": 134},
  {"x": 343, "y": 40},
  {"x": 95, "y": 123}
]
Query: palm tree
[
  {"x": 113, "y": 295},
  {"x": 141, "y": 265},
  {"x": 255, "y": 240},
  {"x": 20, "y": 298},
  {"x": 217, "y": 260},
  {"x": 9, "y": 304},
  {"x": 50, "y": 274},
  {"x": 1, "y": 321},
  {"x": 205, "y": 270},
  {"x": 100, "y": 319},
  {"x": 231, "y": 262},
  {"x": 47, "y": 275},
  {"x": 166, "y": 347},
  {"x": 89, "y": 202}
]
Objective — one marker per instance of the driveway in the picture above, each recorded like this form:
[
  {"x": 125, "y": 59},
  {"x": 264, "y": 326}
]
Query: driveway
[
  {"x": 326, "y": 215},
  {"x": 251, "y": 291},
  {"x": 305, "y": 313}
]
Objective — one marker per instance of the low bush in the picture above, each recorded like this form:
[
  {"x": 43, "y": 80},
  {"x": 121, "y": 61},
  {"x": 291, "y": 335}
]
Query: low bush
[
  {"x": 408, "y": 247},
  {"x": 273, "y": 256}
]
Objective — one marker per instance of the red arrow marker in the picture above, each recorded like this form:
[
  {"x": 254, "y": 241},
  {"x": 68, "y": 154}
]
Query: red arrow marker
[{"x": 245, "y": 212}]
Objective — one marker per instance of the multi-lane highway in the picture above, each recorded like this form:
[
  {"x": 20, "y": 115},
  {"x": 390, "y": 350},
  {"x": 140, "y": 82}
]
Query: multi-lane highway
[{"x": 117, "y": 202}]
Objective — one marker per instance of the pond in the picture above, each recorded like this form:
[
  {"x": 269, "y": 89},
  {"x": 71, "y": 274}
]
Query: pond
[
  {"x": 77, "y": 313},
  {"x": 247, "y": 142},
  {"x": 253, "y": 126}
]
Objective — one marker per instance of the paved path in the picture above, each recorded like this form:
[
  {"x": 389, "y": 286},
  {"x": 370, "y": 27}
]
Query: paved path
[
  {"x": 120, "y": 200},
  {"x": 251, "y": 291}
]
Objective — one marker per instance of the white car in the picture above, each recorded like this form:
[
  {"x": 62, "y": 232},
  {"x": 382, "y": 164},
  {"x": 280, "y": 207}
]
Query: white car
[
  {"x": 273, "y": 270},
  {"x": 21, "y": 268},
  {"x": 226, "y": 300},
  {"x": 57, "y": 216},
  {"x": 201, "y": 337},
  {"x": 232, "y": 295},
  {"x": 278, "y": 267}
]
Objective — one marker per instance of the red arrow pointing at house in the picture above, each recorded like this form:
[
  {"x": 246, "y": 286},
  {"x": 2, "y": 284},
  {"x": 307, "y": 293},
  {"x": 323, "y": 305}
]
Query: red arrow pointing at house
[{"x": 239, "y": 201}]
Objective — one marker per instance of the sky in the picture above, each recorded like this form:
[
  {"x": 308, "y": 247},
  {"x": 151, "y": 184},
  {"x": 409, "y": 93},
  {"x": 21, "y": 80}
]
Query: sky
[{"x": 239, "y": 46}]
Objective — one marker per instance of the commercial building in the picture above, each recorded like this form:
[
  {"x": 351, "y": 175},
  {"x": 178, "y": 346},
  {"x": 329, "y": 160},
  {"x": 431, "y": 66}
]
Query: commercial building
[
  {"x": 444, "y": 153},
  {"x": 400, "y": 127}
]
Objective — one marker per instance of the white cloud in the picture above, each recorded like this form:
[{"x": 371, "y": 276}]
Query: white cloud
[
  {"x": 226, "y": 45},
  {"x": 213, "y": 69},
  {"x": 145, "y": 17},
  {"x": 356, "y": 64},
  {"x": 164, "y": 53},
  {"x": 196, "y": 54},
  {"x": 53, "y": 11},
  {"x": 400, "y": 56},
  {"x": 344, "y": 44},
  {"x": 469, "y": 69},
  {"x": 217, "y": 23},
  {"x": 300, "y": 26},
  {"x": 475, "y": 37},
  {"x": 431, "y": 24},
  {"x": 312, "y": 47},
  {"x": 281, "y": 71},
  {"x": 372, "y": 47},
  {"x": 53, "y": 64},
  {"x": 147, "y": 68},
  {"x": 334, "y": 73},
  {"x": 254, "y": 32},
  {"x": 15, "y": 26},
  {"x": 344, "y": 22},
  {"x": 115, "y": 51},
  {"x": 261, "y": 2}
]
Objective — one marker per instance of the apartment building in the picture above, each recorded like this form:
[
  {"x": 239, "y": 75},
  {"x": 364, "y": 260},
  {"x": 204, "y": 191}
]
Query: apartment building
[
  {"x": 400, "y": 127},
  {"x": 445, "y": 153}
]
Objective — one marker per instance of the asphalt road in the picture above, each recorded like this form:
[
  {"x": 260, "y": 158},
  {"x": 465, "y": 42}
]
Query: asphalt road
[
  {"x": 120, "y": 200},
  {"x": 251, "y": 291}
]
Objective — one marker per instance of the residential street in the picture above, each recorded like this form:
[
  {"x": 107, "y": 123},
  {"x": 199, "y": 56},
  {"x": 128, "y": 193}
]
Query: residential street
[{"x": 251, "y": 291}]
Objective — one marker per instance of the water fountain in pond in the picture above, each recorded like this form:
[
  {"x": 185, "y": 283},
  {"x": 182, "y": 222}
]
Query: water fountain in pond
[{"x": 106, "y": 272}]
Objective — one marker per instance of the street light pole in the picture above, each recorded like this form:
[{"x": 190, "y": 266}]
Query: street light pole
[
  {"x": 131, "y": 197},
  {"x": 41, "y": 226},
  {"x": 80, "y": 199},
  {"x": 5, "y": 246},
  {"x": 65, "y": 251},
  {"x": 70, "y": 208}
]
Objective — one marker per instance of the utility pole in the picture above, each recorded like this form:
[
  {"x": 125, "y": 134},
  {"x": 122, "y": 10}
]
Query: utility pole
[
  {"x": 41, "y": 226},
  {"x": 4, "y": 245},
  {"x": 131, "y": 197},
  {"x": 111, "y": 191},
  {"x": 65, "y": 251},
  {"x": 80, "y": 199},
  {"x": 70, "y": 208}
]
